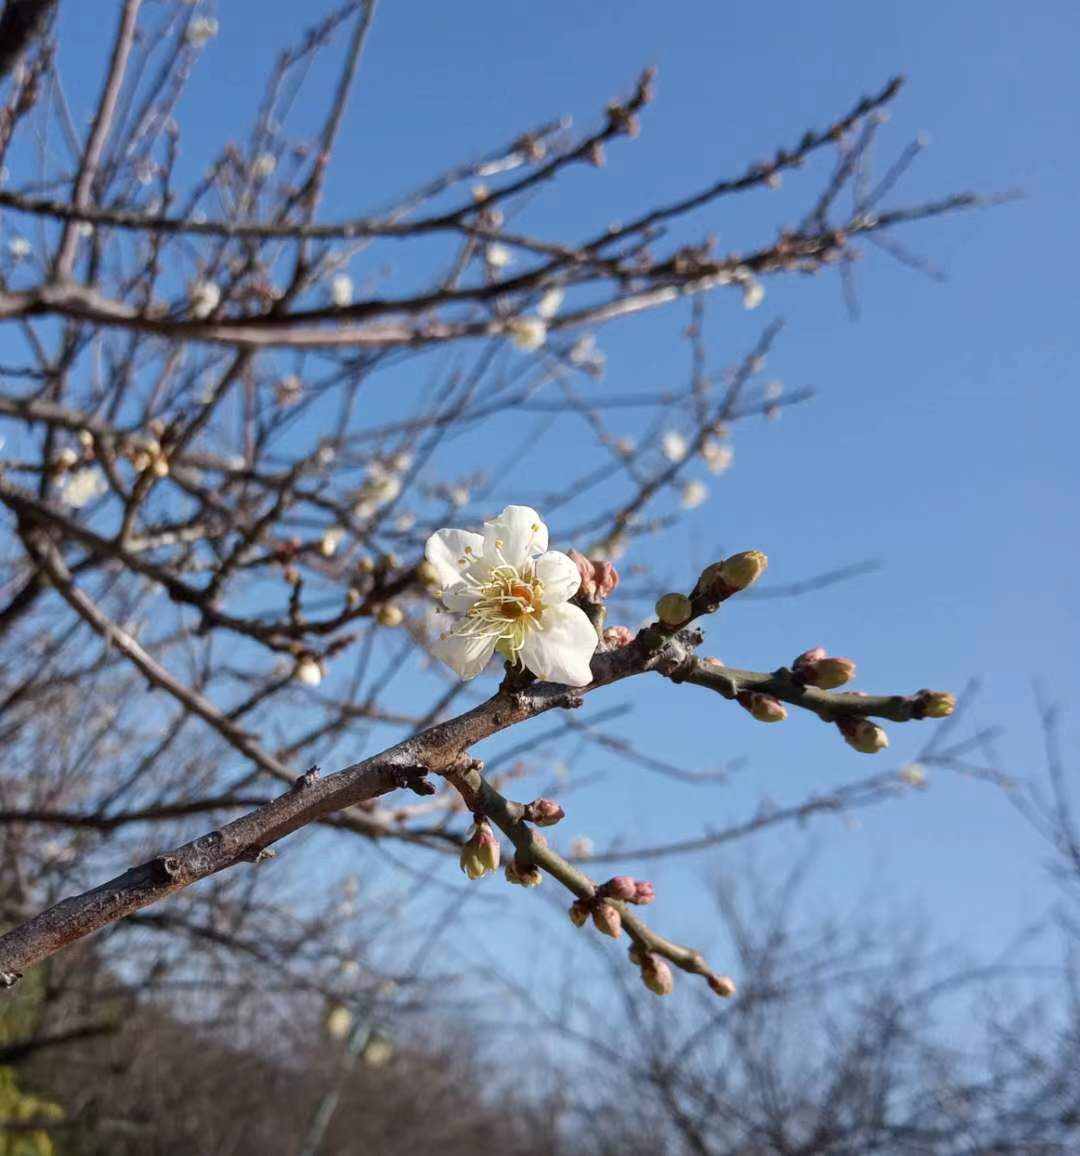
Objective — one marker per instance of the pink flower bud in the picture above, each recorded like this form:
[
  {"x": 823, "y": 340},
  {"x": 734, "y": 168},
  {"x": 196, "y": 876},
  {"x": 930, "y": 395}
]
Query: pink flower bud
[
  {"x": 723, "y": 985},
  {"x": 816, "y": 668},
  {"x": 644, "y": 892},
  {"x": 481, "y": 852},
  {"x": 544, "y": 812},
  {"x": 763, "y": 707},
  {"x": 523, "y": 874},
  {"x": 656, "y": 975},
  {"x": 607, "y": 919},
  {"x": 579, "y": 912},
  {"x": 862, "y": 735},
  {"x": 616, "y": 636},
  {"x": 598, "y": 577},
  {"x": 620, "y": 887}
]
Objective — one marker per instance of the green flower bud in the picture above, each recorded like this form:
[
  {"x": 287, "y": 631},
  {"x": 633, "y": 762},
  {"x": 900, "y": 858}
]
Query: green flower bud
[
  {"x": 674, "y": 610},
  {"x": 742, "y": 570}
]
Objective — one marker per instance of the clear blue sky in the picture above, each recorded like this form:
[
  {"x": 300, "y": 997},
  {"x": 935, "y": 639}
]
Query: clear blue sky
[{"x": 942, "y": 440}]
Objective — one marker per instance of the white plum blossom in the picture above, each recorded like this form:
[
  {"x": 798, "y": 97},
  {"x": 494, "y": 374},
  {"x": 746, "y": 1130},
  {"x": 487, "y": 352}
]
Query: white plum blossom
[
  {"x": 673, "y": 446},
  {"x": 693, "y": 494},
  {"x": 498, "y": 256},
  {"x": 341, "y": 290},
  {"x": 205, "y": 297},
  {"x": 19, "y": 248},
  {"x": 508, "y": 592},
  {"x": 459, "y": 496},
  {"x": 330, "y": 541},
  {"x": 309, "y": 671},
  {"x": 753, "y": 293},
  {"x": 263, "y": 166},
  {"x": 549, "y": 304},
  {"x": 718, "y": 457},
  {"x": 527, "y": 333},
  {"x": 380, "y": 488},
  {"x": 200, "y": 30},
  {"x": 81, "y": 487}
]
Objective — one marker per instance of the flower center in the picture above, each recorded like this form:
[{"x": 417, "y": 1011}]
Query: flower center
[{"x": 509, "y": 605}]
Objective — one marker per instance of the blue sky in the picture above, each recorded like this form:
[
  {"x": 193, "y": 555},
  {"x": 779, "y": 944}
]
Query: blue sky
[{"x": 942, "y": 438}]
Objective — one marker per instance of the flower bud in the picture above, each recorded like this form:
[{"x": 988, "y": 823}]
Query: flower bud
[
  {"x": 620, "y": 887},
  {"x": 598, "y": 577},
  {"x": 656, "y": 975},
  {"x": 644, "y": 892},
  {"x": 544, "y": 812},
  {"x": 935, "y": 703},
  {"x": 427, "y": 574},
  {"x": 579, "y": 912},
  {"x": 389, "y": 615},
  {"x": 523, "y": 874},
  {"x": 309, "y": 671},
  {"x": 722, "y": 985},
  {"x": 674, "y": 610},
  {"x": 862, "y": 735},
  {"x": 607, "y": 919},
  {"x": 763, "y": 707},
  {"x": 636, "y": 953},
  {"x": 338, "y": 1022},
  {"x": 742, "y": 570},
  {"x": 617, "y": 636},
  {"x": 816, "y": 668},
  {"x": 481, "y": 852}
]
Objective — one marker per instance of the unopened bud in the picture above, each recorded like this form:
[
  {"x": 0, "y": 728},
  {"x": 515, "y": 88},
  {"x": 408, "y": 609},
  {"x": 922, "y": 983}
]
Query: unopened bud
[
  {"x": 674, "y": 610},
  {"x": 935, "y": 703},
  {"x": 644, "y": 892},
  {"x": 656, "y": 975},
  {"x": 763, "y": 707},
  {"x": 617, "y": 636},
  {"x": 607, "y": 919},
  {"x": 579, "y": 912},
  {"x": 481, "y": 852},
  {"x": 816, "y": 668},
  {"x": 309, "y": 671},
  {"x": 523, "y": 874},
  {"x": 389, "y": 615},
  {"x": 862, "y": 735},
  {"x": 598, "y": 577},
  {"x": 722, "y": 985},
  {"x": 620, "y": 887},
  {"x": 544, "y": 812},
  {"x": 742, "y": 570},
  {"x": 427, "y": 574}
]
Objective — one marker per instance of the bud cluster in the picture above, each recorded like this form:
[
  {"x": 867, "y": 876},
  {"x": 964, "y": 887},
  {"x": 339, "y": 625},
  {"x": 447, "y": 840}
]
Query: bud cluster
[
  {"x": 523, "y": 874},
  {"x": 637, "y": 891}
]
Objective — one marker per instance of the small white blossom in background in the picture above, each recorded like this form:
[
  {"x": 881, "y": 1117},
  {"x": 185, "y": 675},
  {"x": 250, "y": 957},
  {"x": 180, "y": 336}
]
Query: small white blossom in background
[
  {"x": 753, "y": 293},
  {"x": 773, "y": 390},
  {"x": 585, "y": 354},
  {"x": 338, "y": 1022},
  {"x": 19, "y": 248},
  {"x": 527, "y": 333},
  {"x": 718, "y": 456},
  {"x": 549, "y": 304},
  {"x": 459, "y": 496},
  {"x": 378, "y": 1051},
  {"x": 380, "y": 488},
  {"x": 582, "y": 847},
  {"x": 498, "y": 256},
  {"x": 341, "y": 290},
  {"x": 264, "y": 165},
  {"x": 82, "y": 486},
  {"x": 913, "y": 774},
  {"x": 288, "y": 390},
  {"x": 673, "y": 446},
  {"x": 405, "y": 522},
  {"x": 693, "y": 494},
  {"x": 205, "y": 297},
  {"x": 200, "y": 30},
  {"x": 309, "y": 671},
  {"x": 330, "y": 541},
  {"x": 507, "y": 592}
]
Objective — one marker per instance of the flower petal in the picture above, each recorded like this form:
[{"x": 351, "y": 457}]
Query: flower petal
[
  {"x": 459, "y": 597},
  {"x": 559, "y": 651},
  {"x": 445, "y": 550},
  {"x": 515, "y": 536},
  {"x": 465, "y": 654},
  {"x": 560, "y": 576}
]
